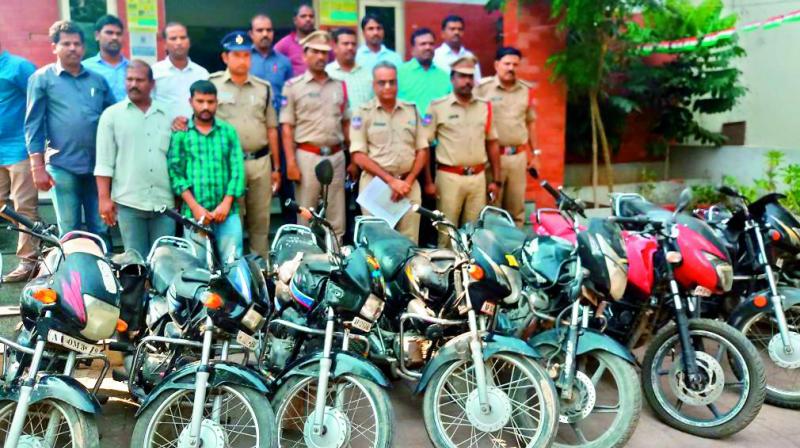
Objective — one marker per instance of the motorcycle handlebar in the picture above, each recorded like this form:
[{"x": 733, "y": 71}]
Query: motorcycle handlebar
[
  {"x": 185, "y": 221},
  {"x": 11, "y": 213},
  {"x": 433, "y": 215},
  {"x": 561, "y": 198}
]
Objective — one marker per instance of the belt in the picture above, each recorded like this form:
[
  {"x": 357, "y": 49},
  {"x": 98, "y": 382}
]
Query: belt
[
  {"x": 463, "y": 170},
  {"x": 509, "y": 150},
  {"x": 320, "y": 150},
  {"x": 263, "y": 152}
]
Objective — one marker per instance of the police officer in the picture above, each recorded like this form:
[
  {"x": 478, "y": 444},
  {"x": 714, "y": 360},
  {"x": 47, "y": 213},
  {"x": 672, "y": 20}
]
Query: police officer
[
  {"x": 514, "y": 119},
  {"x": 387, "y": 141},
  {"x": 315, "y": 120},
  {"x": 245, "y": 102},
  {"x": 467, "y": 141}
]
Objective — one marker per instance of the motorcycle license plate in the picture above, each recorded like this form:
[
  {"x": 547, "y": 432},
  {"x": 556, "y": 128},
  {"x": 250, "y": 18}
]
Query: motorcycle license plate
[
  {"x": 361, "y": 324},
  {"x": 246, "y": 340},
  {"x": 58, "y": 338},
  {"x": 488, "y": 308}
]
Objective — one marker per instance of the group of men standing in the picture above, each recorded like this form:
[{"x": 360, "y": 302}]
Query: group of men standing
[{"x": 119, "y": 140}]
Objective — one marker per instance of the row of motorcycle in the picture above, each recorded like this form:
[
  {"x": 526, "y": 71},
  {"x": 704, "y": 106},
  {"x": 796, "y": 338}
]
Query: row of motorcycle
[{"x": 515, "y": 338}]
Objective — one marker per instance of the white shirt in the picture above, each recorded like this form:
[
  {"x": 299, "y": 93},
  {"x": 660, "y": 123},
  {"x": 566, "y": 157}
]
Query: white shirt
[
  {"x": 444, "y": 56},
  {"x": 172, "y": 86}
]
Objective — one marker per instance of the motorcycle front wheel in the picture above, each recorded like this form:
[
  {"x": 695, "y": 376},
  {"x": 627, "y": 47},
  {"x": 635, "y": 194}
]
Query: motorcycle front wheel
[
  {"x": 358, "y": 414},
  {"x": 783, "y": 380},
  {"x": 522, "y": 405},
  {"x": 51, "y": 423},
  {"x": 733, "y": 385},
  {"x": 234, "y": 417}
]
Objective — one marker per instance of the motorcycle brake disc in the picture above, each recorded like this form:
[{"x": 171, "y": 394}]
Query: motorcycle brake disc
[
  {"x": 582, "y": 404},
  {"x": 780, "y": 357},
  {"x": 714, "y": 385}
]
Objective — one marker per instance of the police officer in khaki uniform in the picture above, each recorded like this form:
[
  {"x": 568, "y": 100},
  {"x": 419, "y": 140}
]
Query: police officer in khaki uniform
[
  {"x": 315, "y": 120},
  {"x": 514, "y": 120},
  {"x": 467, "y": 141},
  {"x": 387, "y": 141},
  {"x": 245, "y": 102}
]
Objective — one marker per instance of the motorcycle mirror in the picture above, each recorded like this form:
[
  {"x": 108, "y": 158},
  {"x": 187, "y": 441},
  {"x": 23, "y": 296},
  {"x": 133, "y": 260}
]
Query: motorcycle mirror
[
  {"x": 324, "y": 172},
  {"x": 728, "y": 191},
  {"x": 533, "y": 172},
  {"x": 683, "y": 200}
]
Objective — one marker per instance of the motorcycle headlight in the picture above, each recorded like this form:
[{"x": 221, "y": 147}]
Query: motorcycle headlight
[{"x": 724, "y": 271}]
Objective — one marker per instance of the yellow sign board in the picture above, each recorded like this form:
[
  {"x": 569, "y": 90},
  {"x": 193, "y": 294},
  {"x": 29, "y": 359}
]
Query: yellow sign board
[
  {"x": 142, "y": 14},
  {"x": 338, "y": 12}
]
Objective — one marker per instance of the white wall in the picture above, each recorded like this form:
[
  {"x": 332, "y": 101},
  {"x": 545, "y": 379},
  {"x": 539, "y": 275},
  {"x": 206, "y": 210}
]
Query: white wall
[{"x": 771, "y": 72}]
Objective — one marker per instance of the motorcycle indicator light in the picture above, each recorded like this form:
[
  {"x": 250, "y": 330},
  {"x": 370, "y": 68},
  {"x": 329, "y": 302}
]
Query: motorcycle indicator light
[
  {"x": 476, "y": 272},
  {"x": 46, "y": 296},
  {"x": 674, "y": 257},
  {"x": 122, "y": 326},
  {"x": 774, "y": 235},
  {"x": 212, "y": 300},
  {"x": 760, "y": 301}
]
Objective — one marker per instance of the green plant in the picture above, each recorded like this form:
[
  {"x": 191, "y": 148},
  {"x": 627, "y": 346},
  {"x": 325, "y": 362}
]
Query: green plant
[
  {"x": 774, "y": 172},
  {"x": 647, "y": 187},
  {"x": 705, "y": 194}
]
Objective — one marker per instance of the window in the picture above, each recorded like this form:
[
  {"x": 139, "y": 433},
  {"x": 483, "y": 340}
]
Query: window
[{"x": 85, "y": 13}]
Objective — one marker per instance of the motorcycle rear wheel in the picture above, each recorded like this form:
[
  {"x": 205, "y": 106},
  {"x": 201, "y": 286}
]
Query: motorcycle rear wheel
[
  {"x": 731, "y": 367},
  {"x": 73, "y": 429}
]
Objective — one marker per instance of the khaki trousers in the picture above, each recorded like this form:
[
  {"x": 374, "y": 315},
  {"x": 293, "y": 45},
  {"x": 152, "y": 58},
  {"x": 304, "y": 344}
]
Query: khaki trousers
[
  {"x": 409, "y": 223},
  {"x": 16, "y": 183},
  {"x": 257, "y": 203},
  {"x": 309, "y": 190},
  {"x": 513, "y": 178},
  {"x": 460, "y": 198}
]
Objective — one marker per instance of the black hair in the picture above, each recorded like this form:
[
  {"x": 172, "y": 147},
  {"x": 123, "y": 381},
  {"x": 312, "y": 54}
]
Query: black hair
[
  {"x": 296, "y": 11},
  {"x": 202, "y": 86},
  {"x": 452, "y": 18},
  {"x": 260, "y": 15},
  {"x": 170, "y": 25},
  {"x": 340, "y": 31},
  {"x": 371, "y": 17},
  {"x": 64, "y": 27},
  {"x": 507, "y": 51},
  {"x": 421, "y": 32},
  {"x": 138, "y": 63},
  {"x": 108, "y": 19}
]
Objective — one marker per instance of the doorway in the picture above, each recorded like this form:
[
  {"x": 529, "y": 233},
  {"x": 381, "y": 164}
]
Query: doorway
[{"x": 393, "y": 16}]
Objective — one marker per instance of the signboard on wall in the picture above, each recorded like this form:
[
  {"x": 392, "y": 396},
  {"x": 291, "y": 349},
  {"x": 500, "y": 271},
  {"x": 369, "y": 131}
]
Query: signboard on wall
[
  {"x": 143, "y": 28},
  {"x": 338, "y": 12}
]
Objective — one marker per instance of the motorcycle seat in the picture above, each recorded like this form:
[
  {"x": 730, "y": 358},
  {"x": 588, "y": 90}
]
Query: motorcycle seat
[
  {"x": 390, "y": 247},
  {"x": 168, "y": 263},
  {"x": 290, "y": 245},
  {"x": 630, "y": 205},
  {"x": 509, "y": 236}
]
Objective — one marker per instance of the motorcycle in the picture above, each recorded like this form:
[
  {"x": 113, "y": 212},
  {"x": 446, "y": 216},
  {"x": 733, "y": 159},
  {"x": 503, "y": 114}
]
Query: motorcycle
[
  {"x": 481, "y": 388},
  {"x": 67, "y": 310},
  {"x": 700, "y": 376},
  {"x": 210, "y": 401},
  {"x": 327, "y": 397},
  {"x": 569, "y": 274},
  {"x": 763, "y": 239}
]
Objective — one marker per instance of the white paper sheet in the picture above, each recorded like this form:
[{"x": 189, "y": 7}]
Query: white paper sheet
[{"x": 377, "y": 199}]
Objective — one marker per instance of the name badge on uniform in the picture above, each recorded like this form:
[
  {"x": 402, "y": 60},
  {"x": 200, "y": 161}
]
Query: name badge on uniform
[
  {"x": 378, "y": 123},
  {"x": 356, "y": 123},
  {"x": 453, "y": 117},
  {"x": 427, "y": 119},
  {"x": 313, "y": 95},
  {"x": 497, "y": 98}
]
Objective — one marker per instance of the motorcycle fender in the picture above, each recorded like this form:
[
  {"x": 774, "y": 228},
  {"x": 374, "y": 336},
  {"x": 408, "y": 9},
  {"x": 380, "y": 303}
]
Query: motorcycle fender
[
  {"x": 748, "y": 309},
  {"x": 222, "y": 373},
  {"x": 56, "y": 387},
  {"x": 589, "y": 340},
  {"x": 458, "y": 349},
  {"x": 344, "y": 363}
]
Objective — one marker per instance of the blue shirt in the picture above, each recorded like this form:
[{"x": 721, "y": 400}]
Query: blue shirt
[
  {"x": 63, "y": 111},
  {"x": 275, "y": 68},
  {"x": 367, "y": 58},
  {"x": 115, "y": 76},
  {"x": 14, "y": 74}
]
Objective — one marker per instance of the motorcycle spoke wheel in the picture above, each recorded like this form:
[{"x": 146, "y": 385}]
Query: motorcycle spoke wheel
[
  {"x": 760, "y": 330},
  {"x": 451, "y": 405},
  {"x": 51, "y": 423}
]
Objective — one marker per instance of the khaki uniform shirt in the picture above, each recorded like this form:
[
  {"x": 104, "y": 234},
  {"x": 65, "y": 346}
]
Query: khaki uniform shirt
[
  {"x": 512, "y": 109},
  {"x": 390, "y": 139},
  {"x": 247, "y": 107},
  {"x": 316, "y": 110},
  {"x": 462, "y": 130}
]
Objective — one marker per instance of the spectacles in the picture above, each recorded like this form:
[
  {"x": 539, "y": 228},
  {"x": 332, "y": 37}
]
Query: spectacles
[{"x": 387, "y": 83}]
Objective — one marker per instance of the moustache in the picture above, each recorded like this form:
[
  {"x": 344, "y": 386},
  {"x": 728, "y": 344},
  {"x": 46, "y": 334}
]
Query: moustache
[{"x": 134, "y": 89}]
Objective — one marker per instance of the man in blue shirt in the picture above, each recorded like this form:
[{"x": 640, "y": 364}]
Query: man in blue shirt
[
  {"x": 373, "y": 50},
  {"x": 265, "y": 63},
  {"x": 15, "y": 170},
  {"x": 64, "y": 105},
  {"x": 109, "y": 61}
]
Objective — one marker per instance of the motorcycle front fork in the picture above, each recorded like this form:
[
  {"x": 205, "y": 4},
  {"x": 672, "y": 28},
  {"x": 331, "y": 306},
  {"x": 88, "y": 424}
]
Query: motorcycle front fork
[
  {"x": 200, "y": 388},
  {"x": 776, "y": 299},
  {"x": 567, "y": 374},
  {"x": 688, "y": 356},
  {"x": 324, "y": 374}
]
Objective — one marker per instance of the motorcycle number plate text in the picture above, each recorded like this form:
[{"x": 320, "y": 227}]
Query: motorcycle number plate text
[
  {"x": 71, "y": 343},
  {"x": 362, "y": 324},
  {"x": 488, "y": 308},
  {"x": 246, "y": 340}
]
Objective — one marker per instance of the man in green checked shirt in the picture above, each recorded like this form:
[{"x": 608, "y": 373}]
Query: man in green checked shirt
[{"x": 206, "y": 168}]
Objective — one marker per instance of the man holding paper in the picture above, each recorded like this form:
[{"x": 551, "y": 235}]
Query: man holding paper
[{"x": 387, "y": 141}]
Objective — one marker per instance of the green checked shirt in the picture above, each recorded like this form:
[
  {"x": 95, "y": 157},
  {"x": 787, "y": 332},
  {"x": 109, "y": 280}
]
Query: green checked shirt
[{"x": 211, "y": 166}]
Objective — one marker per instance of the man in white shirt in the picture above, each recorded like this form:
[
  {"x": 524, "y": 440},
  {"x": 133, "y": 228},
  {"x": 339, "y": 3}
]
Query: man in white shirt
[
  {"x": 373, "y": 50},
  {"x": 176, "y": 72},
  {"x": 452, "y": 49}
]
